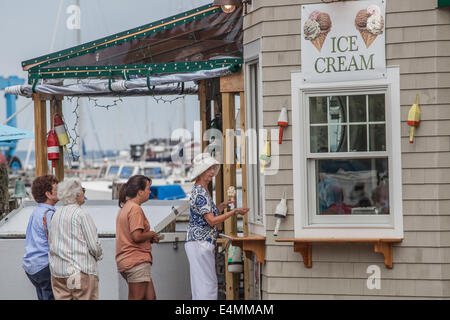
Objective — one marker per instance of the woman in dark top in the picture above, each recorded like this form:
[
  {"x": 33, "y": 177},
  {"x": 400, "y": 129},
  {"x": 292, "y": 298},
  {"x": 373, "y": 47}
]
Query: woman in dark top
[{"x": 202, "y": 230}]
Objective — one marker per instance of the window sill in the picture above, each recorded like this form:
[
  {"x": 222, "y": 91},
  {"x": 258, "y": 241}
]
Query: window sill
[
  {"x": 250, "y": 244},
  {"x": 304, "y": 247}
]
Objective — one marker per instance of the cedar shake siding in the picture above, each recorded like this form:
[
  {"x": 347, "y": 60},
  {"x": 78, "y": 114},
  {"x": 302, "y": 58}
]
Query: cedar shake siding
[{"x": 417, "y": 40}]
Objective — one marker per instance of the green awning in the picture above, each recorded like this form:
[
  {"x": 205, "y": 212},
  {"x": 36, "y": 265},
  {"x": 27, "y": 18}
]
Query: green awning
[{"x": 204, "y": 38}]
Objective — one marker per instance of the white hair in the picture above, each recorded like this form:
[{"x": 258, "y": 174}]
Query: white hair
[{"x": 69, "y": 190}]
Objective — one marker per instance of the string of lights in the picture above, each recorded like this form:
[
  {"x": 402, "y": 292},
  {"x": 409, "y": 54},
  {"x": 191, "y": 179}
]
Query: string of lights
[
  {"x": 96, "y": 104},
  {"x": 164, "y": 100},
  {"x": 73, "y": 137},
  {"x": 73, "y": 133}
]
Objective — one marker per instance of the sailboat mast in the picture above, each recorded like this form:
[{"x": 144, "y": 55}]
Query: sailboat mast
[
  {"x": 80, "y": 104},
  {"x": 147, "y": 136}
]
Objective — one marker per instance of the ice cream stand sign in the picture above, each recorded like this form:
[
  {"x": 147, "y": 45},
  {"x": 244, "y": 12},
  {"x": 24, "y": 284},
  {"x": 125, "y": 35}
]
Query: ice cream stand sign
[{"x": 343, "y": 41}]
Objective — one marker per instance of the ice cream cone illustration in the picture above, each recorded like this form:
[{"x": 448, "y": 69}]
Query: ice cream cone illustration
[
  {"x": 369, "y": 23},
  {"x": 316, "y": 28}
]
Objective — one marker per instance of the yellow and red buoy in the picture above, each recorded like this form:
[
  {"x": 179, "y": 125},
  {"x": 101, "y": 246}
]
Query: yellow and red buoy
[
  {"x": 63, "y": 138},
  {"x": 414, "y": 118}
]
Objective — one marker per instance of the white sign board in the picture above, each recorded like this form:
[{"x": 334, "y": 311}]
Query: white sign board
[{"x": 343, "y": 41}]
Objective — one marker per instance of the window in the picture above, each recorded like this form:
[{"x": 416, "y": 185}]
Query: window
[
  {"x": 153, "y": 173},
  {"x": 254, "y": 120},
  {"x": 350, "y": 131},
  {"x": 102, "y": 172},
  {"x": 126, "y": 172},
  {"x": 112, "y": 172},
  {"x": 347, "y": 158}
]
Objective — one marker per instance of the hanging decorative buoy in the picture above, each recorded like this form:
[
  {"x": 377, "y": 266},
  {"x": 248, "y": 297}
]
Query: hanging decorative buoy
[
  {"x": 52, "y": 147},
  {"x": 63, "y": 138},
  {"x": 414, "y": 118},
  {"x": 282, "y": 123},
  {"x": 280, "y": 213}
]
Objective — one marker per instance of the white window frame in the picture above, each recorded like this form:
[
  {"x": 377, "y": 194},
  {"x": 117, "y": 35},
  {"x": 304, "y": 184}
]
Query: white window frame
[
  {"x": 346, "y": 226},
  {"x": 255, "y": 188}
]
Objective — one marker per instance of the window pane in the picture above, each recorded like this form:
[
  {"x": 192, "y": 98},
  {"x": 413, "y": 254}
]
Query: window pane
[
  {"x": 338, "y": 138},
  {"x": 358, "y": 138},
  {"x": 376, "y": 107},
  {"x": 352, "y": 186},
  {"x": 318, "y": 110},
  {"x": 319, "y": 139},
  {"x": 338, "y": 110},
  {"x": 113, "y": 171},
  {"x": 126, "y": 172},
  {"x": 357, "y": 108},
  {"x": 154, "y": 173},
  {"x": 377, "y": 134}
]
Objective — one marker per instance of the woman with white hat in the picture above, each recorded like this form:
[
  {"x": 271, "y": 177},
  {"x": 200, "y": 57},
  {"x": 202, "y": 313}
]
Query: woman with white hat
[{"x": 202, "y": 230}]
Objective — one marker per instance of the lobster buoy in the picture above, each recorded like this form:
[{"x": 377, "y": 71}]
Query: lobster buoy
[
  {"x": 60, "y": 130},
  {"x": 63, "y": 138},
  {"x": 52, "y": 147}
]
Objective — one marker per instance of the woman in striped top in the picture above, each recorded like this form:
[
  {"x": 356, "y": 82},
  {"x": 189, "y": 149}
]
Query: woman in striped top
[{"x": 74, "y": 246}]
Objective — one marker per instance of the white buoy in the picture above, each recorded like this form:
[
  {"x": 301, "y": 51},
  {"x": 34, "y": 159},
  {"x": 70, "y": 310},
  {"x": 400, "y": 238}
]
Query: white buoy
[{"x": 280, "y": 212}]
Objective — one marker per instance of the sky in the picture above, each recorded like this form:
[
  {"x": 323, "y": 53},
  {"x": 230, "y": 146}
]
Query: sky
[{"x": 27, "y": 28}]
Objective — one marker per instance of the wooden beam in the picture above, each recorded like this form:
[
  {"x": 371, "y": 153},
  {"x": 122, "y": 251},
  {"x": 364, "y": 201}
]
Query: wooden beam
[
  {"x": 40, "y": 135},
  {"x": 244, "y": 193},
  {"x": 56, "y": 107},
  {"x": 229, "y": 179},
  {"x": 203, "y": 107},
  {"x": 219, "y": 176},
  {"x": 205, "y": 115},
  {"x": 233, "y": 82},
  {"x": 229, "y": 166}
]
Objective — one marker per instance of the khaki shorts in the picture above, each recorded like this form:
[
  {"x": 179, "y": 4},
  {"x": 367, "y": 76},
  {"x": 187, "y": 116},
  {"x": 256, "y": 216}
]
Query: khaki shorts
[{"x": 139, "y": 273}]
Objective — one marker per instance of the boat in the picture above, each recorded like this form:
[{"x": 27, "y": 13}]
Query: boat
[{"x": 116, "y": 173}]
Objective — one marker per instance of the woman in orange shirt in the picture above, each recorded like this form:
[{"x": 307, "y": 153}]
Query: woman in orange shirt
[{"x": 134, "y": 238}]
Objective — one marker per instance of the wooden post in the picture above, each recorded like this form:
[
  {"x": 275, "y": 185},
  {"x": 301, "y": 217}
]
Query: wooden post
[
  {"x": 40, "y": 135},
  {"x": 219, "y": 176},
  {"x": 229, "y": 179},
  {"x": 4, "y": 192},
  {"x": 56, "y": 107},
  {"x": 203, "y": 103},
  {"x": 244, "y": 193}
]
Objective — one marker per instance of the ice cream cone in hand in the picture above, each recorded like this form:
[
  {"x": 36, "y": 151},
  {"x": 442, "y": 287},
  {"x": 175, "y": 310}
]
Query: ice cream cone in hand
[{"x": 231, "y": 192}]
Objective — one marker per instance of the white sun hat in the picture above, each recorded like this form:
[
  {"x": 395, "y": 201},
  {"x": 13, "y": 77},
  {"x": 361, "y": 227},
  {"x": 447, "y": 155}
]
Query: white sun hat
[{"x": 201, "y": 163}]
